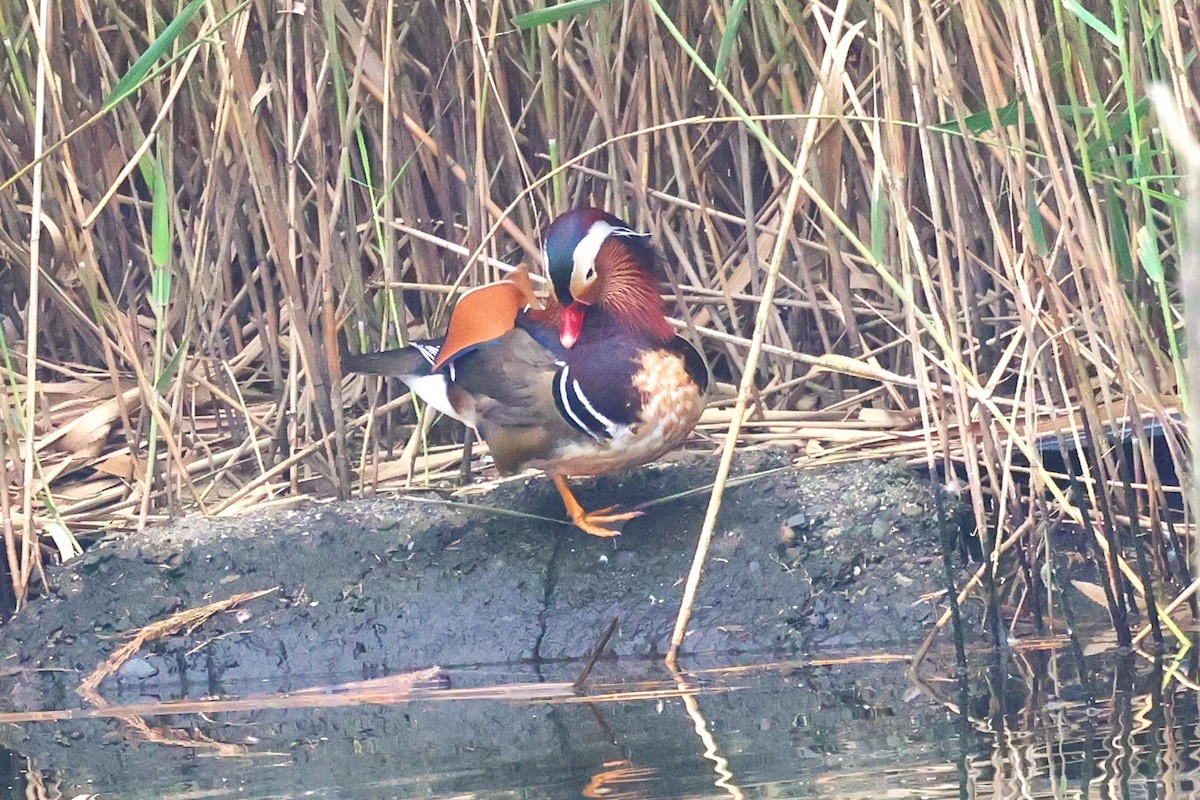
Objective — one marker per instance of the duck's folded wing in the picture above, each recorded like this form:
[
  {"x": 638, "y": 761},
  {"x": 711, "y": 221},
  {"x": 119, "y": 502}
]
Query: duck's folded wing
[
  {"x": 481, "y": 317},
  {"x": 507, "y": 386},
  {"x": 509, "y": 380}
]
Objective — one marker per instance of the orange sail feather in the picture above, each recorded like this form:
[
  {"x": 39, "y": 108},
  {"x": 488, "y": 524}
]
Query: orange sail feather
[{"x": 486, "y": 313}]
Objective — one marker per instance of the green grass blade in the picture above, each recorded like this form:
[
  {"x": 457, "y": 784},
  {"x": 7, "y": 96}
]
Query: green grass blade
[
  {"x": 554, "y": 13},
  {"x": 879, "y": 217},
  {"x": 160, "y": 221},
  {"x": 1093, "y": 22},
  {"x": 138, "y": 71},
  {"x": 980, "y": 122},
  {"x": 732, "y": 24},
  {"x": 1036, "y": 229},
  {"x": 169, "y": 371},
  {"x": 556, "y": 183},
  {"x": 1147, "y": 245},
  {"x": 1118, "y": 228}
]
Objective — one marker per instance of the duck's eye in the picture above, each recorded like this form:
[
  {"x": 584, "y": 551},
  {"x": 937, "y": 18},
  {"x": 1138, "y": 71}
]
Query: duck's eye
[{"x": 590, "y": 272}]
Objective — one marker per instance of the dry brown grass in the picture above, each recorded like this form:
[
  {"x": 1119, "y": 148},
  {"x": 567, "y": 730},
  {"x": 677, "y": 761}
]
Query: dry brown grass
[{"x": 983, "y": 257}]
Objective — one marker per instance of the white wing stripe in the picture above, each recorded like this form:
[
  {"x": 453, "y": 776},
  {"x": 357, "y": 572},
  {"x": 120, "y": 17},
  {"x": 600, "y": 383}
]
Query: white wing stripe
[{"x": 427, "y": 351}]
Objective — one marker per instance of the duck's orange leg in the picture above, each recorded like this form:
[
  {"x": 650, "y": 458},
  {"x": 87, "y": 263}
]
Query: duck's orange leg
[{"x": 590, "y": 522}]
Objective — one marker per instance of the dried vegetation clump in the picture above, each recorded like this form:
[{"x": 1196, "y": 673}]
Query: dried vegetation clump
[{"x": 980, "y": 264}]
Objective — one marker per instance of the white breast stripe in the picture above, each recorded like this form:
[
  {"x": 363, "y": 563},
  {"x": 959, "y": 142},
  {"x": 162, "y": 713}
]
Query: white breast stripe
[
  {"x": 564, "y": 403},
  {"x": 608, "y": 424}
]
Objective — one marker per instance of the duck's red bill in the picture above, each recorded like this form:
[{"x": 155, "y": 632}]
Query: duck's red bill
[{"x": 570, "y": 324}]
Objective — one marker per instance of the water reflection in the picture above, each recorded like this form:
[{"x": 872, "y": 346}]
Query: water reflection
[{"x": 1039, "y": 725}]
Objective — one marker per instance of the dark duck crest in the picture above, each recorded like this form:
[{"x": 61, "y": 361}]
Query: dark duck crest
[{"x": 594, "y": 382}]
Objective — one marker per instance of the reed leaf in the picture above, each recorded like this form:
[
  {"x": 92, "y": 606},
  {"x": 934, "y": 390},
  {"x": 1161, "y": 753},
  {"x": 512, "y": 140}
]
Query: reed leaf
[
  {"x": 556, "y": 13},
  {"x": 137, "y": 72}
]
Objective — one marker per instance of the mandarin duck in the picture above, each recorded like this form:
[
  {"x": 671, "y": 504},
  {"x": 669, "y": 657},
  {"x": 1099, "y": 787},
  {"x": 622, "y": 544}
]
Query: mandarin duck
[{"x": 594, "y": 382}]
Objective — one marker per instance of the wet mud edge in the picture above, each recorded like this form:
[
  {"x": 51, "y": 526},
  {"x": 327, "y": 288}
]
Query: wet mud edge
[{"x": 802, "y": 561}]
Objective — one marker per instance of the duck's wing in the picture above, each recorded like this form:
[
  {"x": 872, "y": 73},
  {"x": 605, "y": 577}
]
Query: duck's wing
[
  {"x": 484, "y": 314},
  {"x": 506, "y": 388},
  {"x": 481, "y": 316}
]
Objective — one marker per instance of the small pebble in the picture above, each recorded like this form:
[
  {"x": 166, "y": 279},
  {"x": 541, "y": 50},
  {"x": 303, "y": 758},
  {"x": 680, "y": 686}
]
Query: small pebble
[
  {"x": 137, "y": 669},
  {"x": 881, "y": 528}
]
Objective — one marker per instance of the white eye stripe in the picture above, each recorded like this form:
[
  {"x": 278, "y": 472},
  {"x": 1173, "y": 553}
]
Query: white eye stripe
[{"x": 584, "y": 256}]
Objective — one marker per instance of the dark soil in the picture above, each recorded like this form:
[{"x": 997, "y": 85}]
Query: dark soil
[{"x": 831, "y": 558}]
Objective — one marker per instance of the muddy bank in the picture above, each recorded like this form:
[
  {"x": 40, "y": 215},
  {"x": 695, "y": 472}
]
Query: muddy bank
[
  {"x": 820, "y": 561},
  {"x": 834, "y": 558}
]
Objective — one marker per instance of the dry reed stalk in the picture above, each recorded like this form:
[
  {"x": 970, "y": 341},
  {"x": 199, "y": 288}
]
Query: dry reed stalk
[{"x": 188, "y": 618}]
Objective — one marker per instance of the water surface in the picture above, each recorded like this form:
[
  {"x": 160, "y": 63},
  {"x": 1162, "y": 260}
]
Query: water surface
[{"x": 845, "y": 727}]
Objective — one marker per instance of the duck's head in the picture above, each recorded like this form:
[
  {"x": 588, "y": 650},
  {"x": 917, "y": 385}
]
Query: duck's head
[{"x": 595, "y": 260}]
